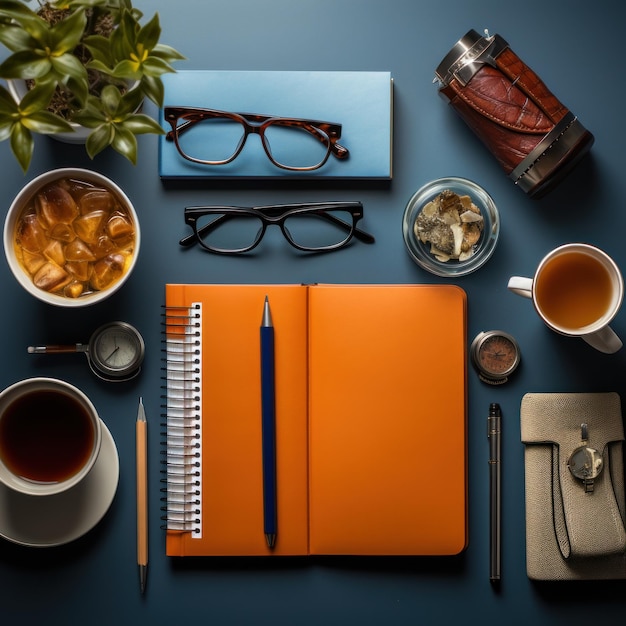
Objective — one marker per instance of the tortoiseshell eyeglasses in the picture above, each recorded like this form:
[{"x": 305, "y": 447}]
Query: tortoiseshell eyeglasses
[{"x": 212, "y": 137}]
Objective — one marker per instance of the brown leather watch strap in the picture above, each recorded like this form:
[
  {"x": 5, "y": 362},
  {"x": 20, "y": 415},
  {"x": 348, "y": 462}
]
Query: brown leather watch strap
[{"x": 526, "y": 80}]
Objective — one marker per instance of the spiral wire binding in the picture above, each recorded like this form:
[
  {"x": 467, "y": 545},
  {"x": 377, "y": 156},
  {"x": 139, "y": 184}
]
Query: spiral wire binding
[{"x": 182, "y": 412}]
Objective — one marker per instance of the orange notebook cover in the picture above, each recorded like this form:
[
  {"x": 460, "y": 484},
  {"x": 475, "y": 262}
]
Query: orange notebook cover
[{"x": 371, "y": 445}]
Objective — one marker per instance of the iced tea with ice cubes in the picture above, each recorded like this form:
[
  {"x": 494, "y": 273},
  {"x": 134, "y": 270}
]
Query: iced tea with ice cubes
[{"x": 75, "y": 238}]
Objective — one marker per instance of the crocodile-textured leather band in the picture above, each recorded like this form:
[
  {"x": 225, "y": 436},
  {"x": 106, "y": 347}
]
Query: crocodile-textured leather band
[{"x": 514, "y": 114}]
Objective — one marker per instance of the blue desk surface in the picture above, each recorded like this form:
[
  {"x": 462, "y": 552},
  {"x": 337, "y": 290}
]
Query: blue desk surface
[{"x": 577, "y": 49}]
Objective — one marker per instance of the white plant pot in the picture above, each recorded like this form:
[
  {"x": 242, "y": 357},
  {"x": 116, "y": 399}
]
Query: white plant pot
[{"x": 79, "y": 135}]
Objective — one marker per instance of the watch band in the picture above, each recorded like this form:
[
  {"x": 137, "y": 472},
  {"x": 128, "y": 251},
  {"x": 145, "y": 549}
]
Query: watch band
[
  {"x": 528, "y": 81},
  {"x": 534, "y": 137}
]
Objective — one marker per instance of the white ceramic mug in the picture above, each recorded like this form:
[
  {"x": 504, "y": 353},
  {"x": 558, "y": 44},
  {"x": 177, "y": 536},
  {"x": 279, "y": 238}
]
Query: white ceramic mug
[
  {"x": 577, "y": 290},
  {"x": 50, "y": 436}
]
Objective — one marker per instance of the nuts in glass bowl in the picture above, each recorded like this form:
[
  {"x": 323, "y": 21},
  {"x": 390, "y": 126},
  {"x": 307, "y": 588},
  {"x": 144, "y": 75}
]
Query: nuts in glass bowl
[{"x": 451, "y": 226}]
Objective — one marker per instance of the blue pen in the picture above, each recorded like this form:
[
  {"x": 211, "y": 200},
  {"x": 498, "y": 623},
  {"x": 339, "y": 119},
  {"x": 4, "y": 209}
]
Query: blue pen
[{"x": 268, "y": 422}]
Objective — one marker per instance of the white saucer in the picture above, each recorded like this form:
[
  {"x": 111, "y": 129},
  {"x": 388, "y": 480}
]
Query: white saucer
[{"x": 45, "y": 521}]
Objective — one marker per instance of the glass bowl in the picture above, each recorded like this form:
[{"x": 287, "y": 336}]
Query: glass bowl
[{"x": 481, "y": 250}]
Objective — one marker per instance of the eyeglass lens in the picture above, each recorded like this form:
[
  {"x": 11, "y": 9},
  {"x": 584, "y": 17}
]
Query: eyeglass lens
[
  {"x": 218, "y": 139},
  {"x": 311, "y": 231}
]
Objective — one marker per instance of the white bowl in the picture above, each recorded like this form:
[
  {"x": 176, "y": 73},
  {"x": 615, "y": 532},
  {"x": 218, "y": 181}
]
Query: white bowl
[{"x": 24, "y": 197}]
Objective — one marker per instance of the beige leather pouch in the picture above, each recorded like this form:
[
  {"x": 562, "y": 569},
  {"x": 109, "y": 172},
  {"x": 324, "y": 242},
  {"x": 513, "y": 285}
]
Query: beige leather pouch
[{"x": 571, "y": 533}]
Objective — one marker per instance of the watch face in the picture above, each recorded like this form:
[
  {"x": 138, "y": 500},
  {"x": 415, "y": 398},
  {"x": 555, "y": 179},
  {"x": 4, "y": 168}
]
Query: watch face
[
  {"x": 116, "y": 349},
  {"x": 495, "y": 354},
  {"x": 585, "y": 463}
]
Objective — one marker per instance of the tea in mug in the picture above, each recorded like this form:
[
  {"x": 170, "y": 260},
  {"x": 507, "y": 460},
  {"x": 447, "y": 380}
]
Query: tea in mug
[
  {"x": 573, "y": 290},
  {"x": 46, "y": 436}
]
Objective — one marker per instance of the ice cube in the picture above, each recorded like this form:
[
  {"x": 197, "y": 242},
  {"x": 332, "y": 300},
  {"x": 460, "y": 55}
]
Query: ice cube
[
  {"x": 89, "y": 226},
  {"x": 79, "y": 269},
  {"x": 106, "y": 271},
  {"x": 103, "y": 246},
  {"x": 32, "y": 261},
  {"x": 73, "y": 289},
  {"x": 119, "y": 226},
  {"x": 54, "y": 252},
  {"x": 30, "y": 234},
  {"x": 55, "y": 205},
  {"x": 51, "y": 277},
  {"x": 78, "y": 250},
  {"x": 97, "y": 200},
  {"x": 62, "y": 232}
]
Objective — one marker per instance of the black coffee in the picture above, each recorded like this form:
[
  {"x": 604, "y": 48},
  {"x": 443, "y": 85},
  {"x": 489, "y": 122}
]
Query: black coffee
[{"x": 46, "y": 436}]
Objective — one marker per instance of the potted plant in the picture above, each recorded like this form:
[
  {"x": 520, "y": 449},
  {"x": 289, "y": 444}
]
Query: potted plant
[{"x": 81, "y": 63}]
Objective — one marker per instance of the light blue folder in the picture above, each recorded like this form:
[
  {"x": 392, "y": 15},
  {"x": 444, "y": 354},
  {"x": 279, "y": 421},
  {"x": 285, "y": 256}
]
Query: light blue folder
[{"x": 362, "y": 102}]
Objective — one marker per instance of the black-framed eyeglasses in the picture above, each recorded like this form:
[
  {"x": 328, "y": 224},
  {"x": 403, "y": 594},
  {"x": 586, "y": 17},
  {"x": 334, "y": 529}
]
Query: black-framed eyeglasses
[
  {"x": 212, "y": 137},
  {"x": 314, "y": 227}
]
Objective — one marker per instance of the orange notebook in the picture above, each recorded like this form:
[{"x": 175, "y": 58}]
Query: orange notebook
[{"x": 371, "y": 446}]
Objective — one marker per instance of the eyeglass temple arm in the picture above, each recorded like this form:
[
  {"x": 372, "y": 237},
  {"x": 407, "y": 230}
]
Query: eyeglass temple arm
[
  {"x": 341, "y": 152},
  {"x": 361, "y": 235},
  {"x": 321, "y": 131}
]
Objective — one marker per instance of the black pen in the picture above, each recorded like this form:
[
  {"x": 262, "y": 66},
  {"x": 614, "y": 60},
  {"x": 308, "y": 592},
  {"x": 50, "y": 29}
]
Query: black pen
[{"x": 494, "y": 435}]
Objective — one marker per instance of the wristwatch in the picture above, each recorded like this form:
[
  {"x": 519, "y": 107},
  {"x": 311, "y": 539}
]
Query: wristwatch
[{"x": 585, "y": 463}]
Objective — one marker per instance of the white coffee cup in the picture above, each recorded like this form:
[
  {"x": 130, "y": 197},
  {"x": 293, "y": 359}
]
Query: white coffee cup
[
  {"x": 577, "y": 290},
  {"x": 50, "y": 436}
]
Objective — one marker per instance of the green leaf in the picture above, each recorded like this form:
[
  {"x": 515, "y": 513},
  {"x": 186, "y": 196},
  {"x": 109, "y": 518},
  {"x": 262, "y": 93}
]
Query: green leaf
[
  {"x": 142, "y": 124},
  {"x": 89, "y": 120},
  {"x": 36, "y": 99},
  {"x": 22, "y": 145},
  {"x": 98, "y": 140},
  {"x": 68, "y": 66},
  {"x": 125, "y": 35},
  {"x": 35, "y": 26},
  {"x": 92, "y": 115},
  {"x": 125, "y": 143},
  {"x": 46, "y": 123},
  {"x": 15, "y": 9},
  {"x": 153, "y": 88},
  {"x": 148, "y": 35},
  {"x": 110, "y": 98},
  {"x": 66, "y": 34},
  {"x": 99, "y": 66},
  {"x": 79, "y": 88},
  {"x": 25, "y": 64},
  {"x": 7, "y": 103},
  {"x": 15, "y": 38},
  {"x": 129, "y": 103},
  {"x": 5, "y": 128},
  {"x": 153, "y": 66},
  {"x": 100, "y": 49},
  {"x": 167, "y": 53},
  {"x": 128, "y": 70}
]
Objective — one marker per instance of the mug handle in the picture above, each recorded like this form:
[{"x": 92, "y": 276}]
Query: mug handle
[
  {"x": 605, "y": 340},
  {"x": 521, "y": 286}
]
